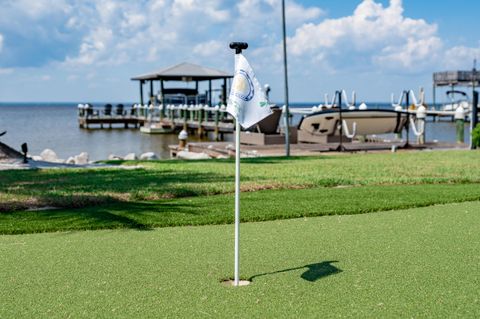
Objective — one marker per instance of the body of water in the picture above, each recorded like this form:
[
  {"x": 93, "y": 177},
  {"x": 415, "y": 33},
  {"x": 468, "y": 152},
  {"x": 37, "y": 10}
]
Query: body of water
[{"x": 55, "y": 126}]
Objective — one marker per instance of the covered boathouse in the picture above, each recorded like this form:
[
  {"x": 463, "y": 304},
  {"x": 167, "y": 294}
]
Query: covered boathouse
[
  {"x": 453, "y": 79},
  {"x": 183, "y": 72}
]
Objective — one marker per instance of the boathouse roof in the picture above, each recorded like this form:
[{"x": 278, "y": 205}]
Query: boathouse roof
[
  {"x": 184, "y": 72},
  {"x": 456, "y": 78}
]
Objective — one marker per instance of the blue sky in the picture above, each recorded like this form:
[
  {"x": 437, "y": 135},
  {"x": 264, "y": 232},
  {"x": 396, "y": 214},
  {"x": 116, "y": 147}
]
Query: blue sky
[{"x": 72, "y": 50}]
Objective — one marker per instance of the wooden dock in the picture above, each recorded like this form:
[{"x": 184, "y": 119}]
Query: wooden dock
[
  {"x": 86, "y": 122},
  {"x": 198, "y": 119},
  {"x": 227, "y": 149}
]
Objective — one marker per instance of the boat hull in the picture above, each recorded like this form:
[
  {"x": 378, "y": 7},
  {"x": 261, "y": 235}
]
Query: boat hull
[{"x": 368, "y": 122}]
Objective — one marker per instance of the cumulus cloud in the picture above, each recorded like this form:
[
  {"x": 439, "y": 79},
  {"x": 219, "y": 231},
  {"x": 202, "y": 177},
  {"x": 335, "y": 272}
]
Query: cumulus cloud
[
  {"x": 262, "y": 18},
  {"x": 129, "y": 31},
  {"x": 210, "y": 48},
  {"x": 456, "y": 56},
  {"x": 112, "y": 32},
  {"x": 87, "y": 34},
  {"x": 35, "y": 26},
  {"x": 297, "y": 14},
  {"x": 373, "y": 33}
]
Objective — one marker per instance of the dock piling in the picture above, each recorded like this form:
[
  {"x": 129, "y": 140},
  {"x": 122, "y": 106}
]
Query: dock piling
[
  {"x": 460, "y": 124},
  {"x": 421, "y": 116},
  {"x": 217, "y": 118},
  {"x": 185, "y": 116},
  {"x": 200, "y": 120}
]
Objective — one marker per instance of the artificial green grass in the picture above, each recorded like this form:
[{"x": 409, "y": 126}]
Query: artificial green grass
[
  {"x": 173, "y": 179},
  {"x": 414, "y": 263},
  {"x": 255, "y": 206}
]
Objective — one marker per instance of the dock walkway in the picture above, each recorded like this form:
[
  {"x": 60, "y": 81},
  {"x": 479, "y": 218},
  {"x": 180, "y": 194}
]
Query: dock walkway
[{"x": 227, "y": 149}]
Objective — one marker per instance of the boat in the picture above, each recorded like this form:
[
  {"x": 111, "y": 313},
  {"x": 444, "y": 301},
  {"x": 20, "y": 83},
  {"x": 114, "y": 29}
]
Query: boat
[
  {"x": 326, "y": 126},
  {"x": 457, "y": 102}
]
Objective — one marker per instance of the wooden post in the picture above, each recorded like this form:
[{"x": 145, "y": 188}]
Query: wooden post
[
  {"x": 151, "y": 91},
  {"x": 224, "y": 92},
  {"x": 210, "y": 93},
  {"x": 200, "y": 120},
  {"x": 185, "y": 117},
  {"x": 141, "y": 92},
  {"x": 162, "y": 97},
  {"x": 217, "y": 111}
]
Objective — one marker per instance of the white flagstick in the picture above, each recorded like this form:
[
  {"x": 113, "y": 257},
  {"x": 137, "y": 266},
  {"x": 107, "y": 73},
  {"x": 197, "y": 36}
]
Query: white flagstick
[
  {"x": 237, "y": 202},
  {"x": 248, "y": 105}
]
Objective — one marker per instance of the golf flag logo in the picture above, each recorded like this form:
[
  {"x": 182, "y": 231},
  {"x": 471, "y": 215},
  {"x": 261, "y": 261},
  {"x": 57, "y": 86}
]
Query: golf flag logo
[{"x": 247, "y": 101}]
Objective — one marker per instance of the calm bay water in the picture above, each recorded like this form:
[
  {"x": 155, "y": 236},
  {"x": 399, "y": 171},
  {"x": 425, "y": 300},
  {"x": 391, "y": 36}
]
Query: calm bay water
[{"x": 54, "y": 126}]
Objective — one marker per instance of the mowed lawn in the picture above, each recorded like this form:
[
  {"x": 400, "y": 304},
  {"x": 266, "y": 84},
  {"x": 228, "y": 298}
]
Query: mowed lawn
[
  {"x": 421, "y": 262},
  {"x": 74, "y": 188},
  {"x": 179, "y": 193}
]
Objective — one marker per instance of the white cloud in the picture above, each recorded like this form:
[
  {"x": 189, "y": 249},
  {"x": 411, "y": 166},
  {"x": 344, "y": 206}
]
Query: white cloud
[
  {"x": 381, "y": 35},
  {"x": 209, "y": 9},
  {"x": 414, "y": 54},
  {"x": 94, "y": 47},
  {"x": 6, "y": 71},
  {"x": 40, "y": 8},
  {"x": 297, "y": 14},
  {"x": 461, "y": 57},
  {"x": 210, "y": 48},
  {"x": 97, "y": 39},
  {"x": 130, "y": 31},
  {"x": 260, "y": 17}
]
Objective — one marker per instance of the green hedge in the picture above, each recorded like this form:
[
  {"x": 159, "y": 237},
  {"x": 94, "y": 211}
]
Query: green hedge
[{"x": 476, "y": 136}]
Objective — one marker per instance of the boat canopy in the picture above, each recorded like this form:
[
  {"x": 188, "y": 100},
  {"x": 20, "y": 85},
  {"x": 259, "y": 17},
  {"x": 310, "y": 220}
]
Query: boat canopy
[{"x": 184, "y": 72}]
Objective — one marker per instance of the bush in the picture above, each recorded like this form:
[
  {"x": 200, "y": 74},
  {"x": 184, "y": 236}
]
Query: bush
[{"x": 476, "y": 136}]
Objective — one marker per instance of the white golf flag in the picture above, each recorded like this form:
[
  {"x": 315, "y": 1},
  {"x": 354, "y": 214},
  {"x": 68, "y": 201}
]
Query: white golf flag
[{"x": 247, "y": 101}]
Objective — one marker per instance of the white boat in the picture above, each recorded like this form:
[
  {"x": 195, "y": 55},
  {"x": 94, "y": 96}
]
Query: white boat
[
  {"x": 457, "y": 102},
  {"x": 326, "y": 126}
]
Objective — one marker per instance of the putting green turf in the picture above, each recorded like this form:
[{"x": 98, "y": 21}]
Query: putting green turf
[{"x": 421, "y": 262}]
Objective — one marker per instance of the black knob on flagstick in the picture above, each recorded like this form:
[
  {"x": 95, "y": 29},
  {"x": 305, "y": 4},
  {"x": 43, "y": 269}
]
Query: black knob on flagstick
[{"x": 238, "y": 46}]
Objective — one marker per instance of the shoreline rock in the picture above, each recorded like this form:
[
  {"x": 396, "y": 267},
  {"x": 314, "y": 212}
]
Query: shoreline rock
[
  {"x": 130, "y": 157},
  {"x": 81, "y": 159},
  {"x": 49, "y": 155},
  {"x": 192, "y": 155},
  {"x": 148, "y": 156},
  {"x": 113, "y": 157}
]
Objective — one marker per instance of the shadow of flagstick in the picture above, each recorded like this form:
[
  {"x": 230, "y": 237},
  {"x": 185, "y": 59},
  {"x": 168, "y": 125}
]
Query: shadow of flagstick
[{"x": 313, "y": 273}]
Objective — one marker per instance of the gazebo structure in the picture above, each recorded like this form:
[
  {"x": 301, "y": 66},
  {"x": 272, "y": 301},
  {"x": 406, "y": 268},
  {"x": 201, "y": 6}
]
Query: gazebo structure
[
  {"x": 183, "y": 72},
  {"x": 454, "y": 79}
]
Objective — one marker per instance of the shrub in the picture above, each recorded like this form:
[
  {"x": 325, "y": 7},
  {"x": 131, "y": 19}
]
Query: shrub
[{"x": 476, "y": 136}]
